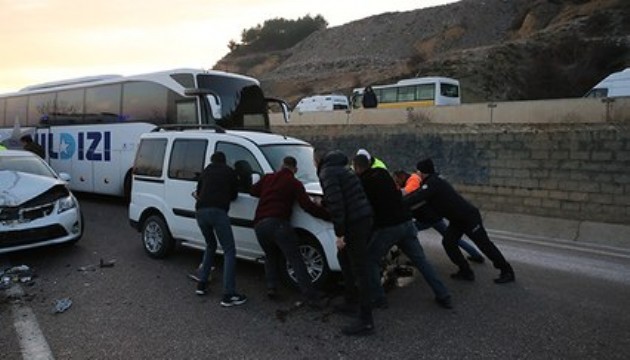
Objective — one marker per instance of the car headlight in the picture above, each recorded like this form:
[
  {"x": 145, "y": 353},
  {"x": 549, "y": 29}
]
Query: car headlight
[{"x": 66, "y": 203}]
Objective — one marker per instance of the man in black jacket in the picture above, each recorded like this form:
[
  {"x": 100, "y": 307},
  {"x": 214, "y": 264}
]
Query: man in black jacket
[
  {"x": 216, "y": 188},
  {"x": 351, "y": 215},
  {"x": 393, "y": 225},
  {"x": 463, "y": 218}
]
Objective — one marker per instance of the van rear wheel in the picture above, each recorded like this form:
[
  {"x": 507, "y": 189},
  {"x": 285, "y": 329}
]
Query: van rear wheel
[{"x": 156, "y": 237}]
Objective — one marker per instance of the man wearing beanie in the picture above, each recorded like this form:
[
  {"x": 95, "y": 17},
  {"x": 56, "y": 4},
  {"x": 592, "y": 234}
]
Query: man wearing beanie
[{"x": 463, "y": 218}]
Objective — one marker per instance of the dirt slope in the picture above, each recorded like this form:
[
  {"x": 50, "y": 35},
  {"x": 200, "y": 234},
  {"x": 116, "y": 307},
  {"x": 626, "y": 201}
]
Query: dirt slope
[{"x": 499, "y": 49}]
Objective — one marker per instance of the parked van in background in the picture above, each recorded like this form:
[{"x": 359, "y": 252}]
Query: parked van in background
[
  {"x": 614, "y": 85},
  {"x": 328, "y": 102}
]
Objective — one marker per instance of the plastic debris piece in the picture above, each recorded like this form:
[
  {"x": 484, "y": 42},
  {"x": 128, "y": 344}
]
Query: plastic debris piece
[
  {"x": 20, "y": 273},
  {"x": 5, "y": 282},
  {"x": 107, "y": 264},
  {"x": 87, "y": 268},
  {"x": 62, "y": 305}
]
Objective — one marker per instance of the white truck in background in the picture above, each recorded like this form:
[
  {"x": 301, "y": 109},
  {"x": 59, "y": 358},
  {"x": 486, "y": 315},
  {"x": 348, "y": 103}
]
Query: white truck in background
[
  {"x": 327, "y": 102},
  {"x": 614, "y": 85}
]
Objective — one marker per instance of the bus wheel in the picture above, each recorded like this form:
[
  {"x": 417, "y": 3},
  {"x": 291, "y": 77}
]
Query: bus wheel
[
  {"x": 156, "y": 237},
  {"x": 315, "y": 261}
]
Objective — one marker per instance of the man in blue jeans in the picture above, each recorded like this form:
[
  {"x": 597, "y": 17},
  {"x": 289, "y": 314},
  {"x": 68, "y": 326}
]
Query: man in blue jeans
[
  {"x": 393, "y": 225},
  {"x": 216, "y": 188},
  {"x": 278, "y": 193}
]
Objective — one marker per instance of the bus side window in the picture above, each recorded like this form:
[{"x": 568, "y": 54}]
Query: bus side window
[{"x": 186, "y": 112}]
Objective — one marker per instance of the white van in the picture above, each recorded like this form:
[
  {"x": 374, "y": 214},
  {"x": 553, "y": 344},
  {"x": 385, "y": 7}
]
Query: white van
[
  {"x": 165, "y": 172},
  {"x": 328, "y": 102},
  {"x": 614, "y": 85}
]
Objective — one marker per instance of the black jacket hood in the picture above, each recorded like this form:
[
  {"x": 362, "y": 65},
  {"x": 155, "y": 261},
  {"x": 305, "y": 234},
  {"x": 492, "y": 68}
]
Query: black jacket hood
[{"x": 334, "y": 158}]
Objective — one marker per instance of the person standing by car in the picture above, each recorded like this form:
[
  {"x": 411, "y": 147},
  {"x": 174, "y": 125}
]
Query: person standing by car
[
  {"x": 352, "y": 218},
  {"x": 463, "y": 218},
  {"x": 369, "y": 100},
  {"x": 393, "y": 225},
  {"x": 425, "y": 217},
  {"x": 216, "y": 189},
  {"x": 278, "y": 192},
  {"x": 32, "y": 146}
]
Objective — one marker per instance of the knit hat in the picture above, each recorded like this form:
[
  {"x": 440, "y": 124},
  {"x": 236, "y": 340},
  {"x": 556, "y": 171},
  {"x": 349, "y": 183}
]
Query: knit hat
[
  {"x": 425, "y": 166},
  {"x": 364, "y": 152}
]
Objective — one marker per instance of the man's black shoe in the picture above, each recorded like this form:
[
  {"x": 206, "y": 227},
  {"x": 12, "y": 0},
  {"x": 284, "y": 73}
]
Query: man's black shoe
[
  {"x": 505, "y": 277},
  {"x": 202, "y": 288},
  {"x": 477, "y": 259},
  {"x": 464, "y": 275},
  {"x": 445, "y": 302},
  {"x": 360, "y": 328}
]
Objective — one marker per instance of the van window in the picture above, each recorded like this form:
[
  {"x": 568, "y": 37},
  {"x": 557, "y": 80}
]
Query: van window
[
  {"x": 243, "y": 162},
  {"x": 449, "y": 90},
  {"x": 597, "y": 93},
  {"x": 187, "y": 159},
  {"x": 150, "y": 157}
]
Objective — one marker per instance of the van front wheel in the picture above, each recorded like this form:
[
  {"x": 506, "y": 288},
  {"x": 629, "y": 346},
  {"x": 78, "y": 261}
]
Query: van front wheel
[{"x": 315, "y": 260}]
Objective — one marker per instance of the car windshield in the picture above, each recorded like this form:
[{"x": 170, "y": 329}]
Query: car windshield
[
  {"x": 27, "y": 164},
  {"x": 302, "y": 153}
]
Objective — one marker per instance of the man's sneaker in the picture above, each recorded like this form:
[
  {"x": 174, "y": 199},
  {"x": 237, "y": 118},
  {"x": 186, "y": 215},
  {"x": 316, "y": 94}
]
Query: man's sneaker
[
  {"x": 477, "y": 259},
  {"x": 505, "y": 277},
  {"x": 202, "y": 288},
  {"x": 466, "y": 275},
  {"x": 445, "y": 302},
  {"x": 233, "y": 300},
  {"x": 359, "y": 328}
]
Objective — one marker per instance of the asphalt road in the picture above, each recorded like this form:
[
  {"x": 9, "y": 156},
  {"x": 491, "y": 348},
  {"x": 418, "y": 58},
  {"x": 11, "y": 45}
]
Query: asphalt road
[{"x": 566, "y": 303}]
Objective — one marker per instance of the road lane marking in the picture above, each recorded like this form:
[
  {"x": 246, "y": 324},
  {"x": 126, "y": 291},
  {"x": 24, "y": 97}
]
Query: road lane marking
[{"x": 33, "y": 344}]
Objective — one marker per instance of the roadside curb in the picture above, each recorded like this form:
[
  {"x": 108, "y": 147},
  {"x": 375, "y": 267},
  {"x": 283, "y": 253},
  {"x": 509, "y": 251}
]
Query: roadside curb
[{"x": 613, "y": 237}]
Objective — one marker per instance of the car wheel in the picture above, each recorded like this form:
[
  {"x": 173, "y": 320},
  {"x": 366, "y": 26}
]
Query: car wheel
[
  {"x": 315, "y": 261},
  {"x": 156, "y": 237}
]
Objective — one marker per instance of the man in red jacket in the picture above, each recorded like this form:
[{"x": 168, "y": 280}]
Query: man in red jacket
[{"x": 278, "y": 192}]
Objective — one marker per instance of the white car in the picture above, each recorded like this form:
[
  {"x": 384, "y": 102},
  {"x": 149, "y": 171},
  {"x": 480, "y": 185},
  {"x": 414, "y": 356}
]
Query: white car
[
  {"x": 36, "y": 205},
  {"x": 165, "y": 174}
]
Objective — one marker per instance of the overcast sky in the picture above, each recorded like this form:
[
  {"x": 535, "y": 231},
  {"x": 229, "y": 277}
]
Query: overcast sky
[{"x": 47, "y": 40}]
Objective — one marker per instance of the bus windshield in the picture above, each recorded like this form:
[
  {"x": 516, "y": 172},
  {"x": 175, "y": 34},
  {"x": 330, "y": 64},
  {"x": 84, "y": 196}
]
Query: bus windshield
[
  {"x": 307, "y": 173},
  {"x": 242, "y": 101}
]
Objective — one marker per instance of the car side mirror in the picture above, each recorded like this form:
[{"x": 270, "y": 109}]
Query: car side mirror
[
  {"x": 255, "y": 178},
  {"x": 65, "y": 176}
]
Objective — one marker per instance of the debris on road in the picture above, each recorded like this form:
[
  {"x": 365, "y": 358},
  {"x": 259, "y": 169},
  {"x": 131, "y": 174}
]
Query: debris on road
[
  {"x": 102, "y": 264},
  {"x": 107, "y": 264},
  {"x": 62, "y": 305},
  {"x": 17, "y": 274}
]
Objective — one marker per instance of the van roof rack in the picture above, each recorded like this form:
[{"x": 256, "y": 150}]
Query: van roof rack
[{"x": 182, "y": 127}]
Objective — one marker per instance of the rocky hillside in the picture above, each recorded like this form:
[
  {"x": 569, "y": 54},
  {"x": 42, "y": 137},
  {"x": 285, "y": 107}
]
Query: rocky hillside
[{"x": 498, "y": 49}]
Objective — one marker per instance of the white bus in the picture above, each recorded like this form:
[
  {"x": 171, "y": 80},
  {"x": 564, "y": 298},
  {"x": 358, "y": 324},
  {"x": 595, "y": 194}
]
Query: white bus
[
  {"x": 416, "y": 92},
  {"x": 90, "y": 127}
]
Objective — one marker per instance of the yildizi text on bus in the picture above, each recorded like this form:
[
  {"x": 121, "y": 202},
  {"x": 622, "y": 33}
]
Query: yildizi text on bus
[
  {"x": 90, "y": 127},
  {"x": 416, "y": 92}
]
